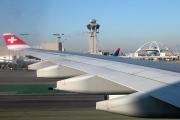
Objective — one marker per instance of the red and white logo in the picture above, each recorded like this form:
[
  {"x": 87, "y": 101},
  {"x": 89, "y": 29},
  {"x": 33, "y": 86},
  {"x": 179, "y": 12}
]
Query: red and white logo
[
  {"x": 12, "y": 39},
  {"x": 13, "y": 42}
]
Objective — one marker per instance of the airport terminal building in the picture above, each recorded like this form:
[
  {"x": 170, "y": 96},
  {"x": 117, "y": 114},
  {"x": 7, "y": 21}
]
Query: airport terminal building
[{"x": 48, "y": 46}]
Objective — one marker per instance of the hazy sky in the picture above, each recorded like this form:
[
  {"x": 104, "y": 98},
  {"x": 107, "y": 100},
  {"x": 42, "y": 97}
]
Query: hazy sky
[{"x": 123, "y": 23}]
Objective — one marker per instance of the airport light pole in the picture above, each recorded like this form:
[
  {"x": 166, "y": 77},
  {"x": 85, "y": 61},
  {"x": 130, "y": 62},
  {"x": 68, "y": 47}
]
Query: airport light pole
[
  {"x": 62, "y": 36},
  {"x": 64, "y": 44},
  {"x": 59, "y": 38},
  {"x": 24, "y": 34},
  {"x": 56, "y": 37}
]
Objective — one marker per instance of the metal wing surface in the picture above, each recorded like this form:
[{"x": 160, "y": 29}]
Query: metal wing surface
[
  {"x": 140, "y": 76},
  {"x": 149, "y": 89}
]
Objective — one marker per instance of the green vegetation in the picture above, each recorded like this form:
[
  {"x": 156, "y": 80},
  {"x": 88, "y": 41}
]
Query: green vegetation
[{"x": 29, "y": 89}]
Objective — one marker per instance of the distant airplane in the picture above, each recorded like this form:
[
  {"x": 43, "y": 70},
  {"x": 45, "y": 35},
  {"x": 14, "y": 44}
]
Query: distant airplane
[
  {"x": 5, "y": 59},
  {"x": 117, "y": 52},
  {"x": 146, "y": 88},
  {"x": 24, "y": 63},
  {"x": 17, "y": 61}
]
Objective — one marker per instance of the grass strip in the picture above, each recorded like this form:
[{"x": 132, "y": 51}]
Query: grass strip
[{"x": 29, "y": 89}]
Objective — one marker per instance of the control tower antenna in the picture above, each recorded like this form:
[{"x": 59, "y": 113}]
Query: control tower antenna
[{"x": 92, "y": 30}]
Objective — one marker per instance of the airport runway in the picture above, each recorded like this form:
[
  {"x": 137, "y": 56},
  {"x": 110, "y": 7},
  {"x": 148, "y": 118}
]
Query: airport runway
[
  {"x": 9, "y": 77},
  {"x": 44, "y": 106},
  {"x": 10, "y": 100},
  {"x": 48, "y": 102},
  {"x": 13, "y": 102}
]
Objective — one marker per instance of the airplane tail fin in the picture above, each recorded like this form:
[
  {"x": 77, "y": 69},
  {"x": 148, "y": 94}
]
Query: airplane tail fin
[
  {"x": 14, "y": 43},
  {"x": 117, "y": 52}
]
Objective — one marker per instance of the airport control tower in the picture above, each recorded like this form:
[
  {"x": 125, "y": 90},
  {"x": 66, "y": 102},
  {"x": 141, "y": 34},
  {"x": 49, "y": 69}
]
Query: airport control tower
[{"x": 92, "y": 30}]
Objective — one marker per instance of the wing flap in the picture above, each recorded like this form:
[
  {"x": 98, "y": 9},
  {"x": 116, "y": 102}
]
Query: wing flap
[
  {"x": 139, "y": 105},
  {"x": 168, "y": 94}
]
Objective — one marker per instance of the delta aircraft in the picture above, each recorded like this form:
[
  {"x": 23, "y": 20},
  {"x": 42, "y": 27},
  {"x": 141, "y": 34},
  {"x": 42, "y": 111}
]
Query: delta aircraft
[
  {"x": 116, "y": 53},
  {"x": 149, "y": 89}
]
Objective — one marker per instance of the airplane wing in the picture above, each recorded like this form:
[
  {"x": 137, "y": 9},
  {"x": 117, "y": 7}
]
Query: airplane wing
[{"x": 149, "y": 89}]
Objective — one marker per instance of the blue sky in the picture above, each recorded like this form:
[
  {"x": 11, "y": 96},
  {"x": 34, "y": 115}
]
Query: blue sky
[{"x": 123, "y": 23}]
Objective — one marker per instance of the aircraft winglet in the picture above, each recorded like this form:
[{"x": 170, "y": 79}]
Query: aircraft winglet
[{"x": 14, "y": 43}]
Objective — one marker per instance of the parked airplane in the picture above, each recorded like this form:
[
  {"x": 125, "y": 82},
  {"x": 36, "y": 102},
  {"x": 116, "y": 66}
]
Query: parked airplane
[
  {"x": 7, "y": 59},
  {"x": 117, "y": 52},
  {"x": 24, "y": 63},
  {"x": 149, "y": 89},
  {"x": 8, "y": 62},
  {"x": 18, "y": 61}
]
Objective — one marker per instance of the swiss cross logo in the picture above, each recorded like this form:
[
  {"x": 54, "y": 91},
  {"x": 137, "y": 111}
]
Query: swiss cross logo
[{"x": 12, "y": 39}]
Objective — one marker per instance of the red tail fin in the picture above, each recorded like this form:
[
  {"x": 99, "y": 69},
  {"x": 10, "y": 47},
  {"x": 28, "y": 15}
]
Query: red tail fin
[
  {"x": 117, "y": 52},
  {"x": 13, "y": 42}
]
